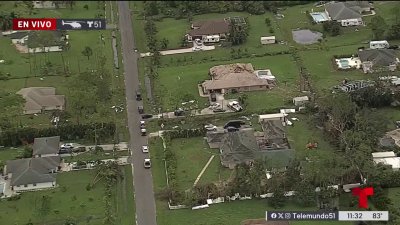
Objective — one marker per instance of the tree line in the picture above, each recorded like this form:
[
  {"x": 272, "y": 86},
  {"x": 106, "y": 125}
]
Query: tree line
[{"x": 187, "y": 9}]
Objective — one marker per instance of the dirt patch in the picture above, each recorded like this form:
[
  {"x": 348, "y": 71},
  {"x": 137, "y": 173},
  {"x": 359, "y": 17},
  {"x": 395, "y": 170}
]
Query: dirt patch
[{"x": 263, "y": 222}]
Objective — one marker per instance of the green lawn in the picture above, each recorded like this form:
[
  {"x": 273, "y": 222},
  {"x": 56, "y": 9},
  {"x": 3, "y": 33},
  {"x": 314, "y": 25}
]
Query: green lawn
[
  {"x": 74, "y": 202},
  {"x": 72, "y": 199},
  {"x": 188, "y": 77},
  {"x": 9, "y": 153},
  {"x": 88, "y": 156},
  {"x": 192, "y": 155}
]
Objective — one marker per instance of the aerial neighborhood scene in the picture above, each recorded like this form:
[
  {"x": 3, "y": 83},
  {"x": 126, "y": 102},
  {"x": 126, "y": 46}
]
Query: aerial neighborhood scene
[{"x": 199, "y": 112}]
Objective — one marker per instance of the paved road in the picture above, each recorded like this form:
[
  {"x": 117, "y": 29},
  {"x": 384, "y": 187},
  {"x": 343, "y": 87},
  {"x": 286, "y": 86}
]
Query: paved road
[{"x": 142, "y": 178}]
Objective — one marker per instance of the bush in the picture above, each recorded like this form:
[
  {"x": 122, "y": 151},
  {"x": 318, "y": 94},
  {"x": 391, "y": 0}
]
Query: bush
[{"x": 14, "y": 198}]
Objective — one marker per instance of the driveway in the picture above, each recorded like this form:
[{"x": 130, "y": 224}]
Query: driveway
[
  {"x": 142, "y": 178},
  {"x": 179, "y": 51}
]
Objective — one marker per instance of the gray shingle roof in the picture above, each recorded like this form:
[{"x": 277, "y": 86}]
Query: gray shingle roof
[
  {"x": 214, "y": 138},
  {"x": 18, "y": 35},
  {"x": 210, "y": 27},
  {"x": 380, "y": 57},
  {"x": 33, "y": 170},
  {"x": 46, "y": 145},
  {"x": 342, "y": 11},
  {"x": 278, "y": 158}
]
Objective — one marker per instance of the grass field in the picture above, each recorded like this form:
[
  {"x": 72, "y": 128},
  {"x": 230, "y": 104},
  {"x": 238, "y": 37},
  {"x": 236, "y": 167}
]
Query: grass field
[
  {"x": 71, "y": 199},
  {"x": 9, "y": 153}
]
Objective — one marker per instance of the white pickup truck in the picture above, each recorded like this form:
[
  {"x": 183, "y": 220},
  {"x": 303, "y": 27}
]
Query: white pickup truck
[{"x": 234, "y": 105}]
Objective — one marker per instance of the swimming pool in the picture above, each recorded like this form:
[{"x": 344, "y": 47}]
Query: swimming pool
[
  {"x": 344, "y": 63},
  {"x": 319, "y": 17}
]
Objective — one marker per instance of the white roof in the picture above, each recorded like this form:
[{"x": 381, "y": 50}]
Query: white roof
[
  {"x": 392, "y": 161},
  {"x": 383, "y": 154},
  {"x": 272, "y": 116},
  {"x": 301, "y": 98},
  {"x": 378, "y": 42},
  {"x": 268, "y": 38},
  {"x": 348, "y": 187},
  {"x": 284, "y": 111}
]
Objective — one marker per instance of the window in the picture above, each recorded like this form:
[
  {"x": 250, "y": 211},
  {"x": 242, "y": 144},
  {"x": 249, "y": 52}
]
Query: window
[
  {"x": 34, "y": 185},
  {"x": 25, "y": 185}
]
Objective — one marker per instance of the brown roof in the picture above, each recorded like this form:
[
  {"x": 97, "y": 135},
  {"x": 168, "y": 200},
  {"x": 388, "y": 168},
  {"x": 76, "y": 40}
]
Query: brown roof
[
  {"x": 233, "y": 76},
  {"x": 39, "y": 97},
  {"x": 210, "y": 27}
]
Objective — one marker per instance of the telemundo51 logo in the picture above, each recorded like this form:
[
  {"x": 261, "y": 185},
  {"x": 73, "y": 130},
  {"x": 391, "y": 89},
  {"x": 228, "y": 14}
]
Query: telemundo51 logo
[
  {"x": 363, "y": 194},
  {"x": 58, "y": 24}
]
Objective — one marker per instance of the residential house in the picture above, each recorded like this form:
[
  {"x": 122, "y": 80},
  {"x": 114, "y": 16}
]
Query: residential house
[
  {"x": 347, "y": 13},
  {"x": 378, "y": 59},
  {"x": 39, "y": 99},
  {"x": 387, "y": 158},
  {"x": 19, "y": 37},
  {"x": 46, "y": 147},
  {"x": 46, "y": 41},
  {"x": 350, "y": 86},
  {"x": 234, "y": 78},
  {"x": 48, "y": 4},
  {"x": 33, "y": 173},
  {"x": 300, "y": 101},
  {"x": 209, "y": 31}
]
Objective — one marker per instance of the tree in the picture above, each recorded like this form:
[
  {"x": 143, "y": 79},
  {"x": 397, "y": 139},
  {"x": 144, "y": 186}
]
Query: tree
[
  {"x": 378, "y": 27},
  {"x": 331, "y": 27},
  {"x": 164, "y": 43},
  {"x": 238, "y": 33},
  {"x": 87, "y": 51},
  {"x": 6, "y": 20},
  {"x": 30, "y": 6},
  {"x": 305, "y": 193},
  {"x": 12, "y": 106},
  {"x": 86, "y": 7}
]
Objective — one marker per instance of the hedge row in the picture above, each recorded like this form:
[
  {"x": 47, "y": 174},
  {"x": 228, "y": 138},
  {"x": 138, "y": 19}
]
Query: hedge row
[{"x": 19, "y": 136}]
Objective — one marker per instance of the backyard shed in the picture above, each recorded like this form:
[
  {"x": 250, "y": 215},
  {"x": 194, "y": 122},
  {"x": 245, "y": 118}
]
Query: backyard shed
[
  {"x": 298, "y": 101},
  {"x": 268, "y": 40}
]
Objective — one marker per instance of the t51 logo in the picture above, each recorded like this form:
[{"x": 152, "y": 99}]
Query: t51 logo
[{"x": 363, "y": 194}]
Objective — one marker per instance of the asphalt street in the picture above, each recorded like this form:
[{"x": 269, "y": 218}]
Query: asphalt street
[{"x": 142, "y": 178}]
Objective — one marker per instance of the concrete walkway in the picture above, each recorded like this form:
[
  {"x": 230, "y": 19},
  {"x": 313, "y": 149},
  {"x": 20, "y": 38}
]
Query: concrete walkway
[
  {"x": 203, "y": 170},
  {"x": 178, "y": 51}
]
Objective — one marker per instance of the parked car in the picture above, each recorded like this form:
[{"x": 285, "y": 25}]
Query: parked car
[
  {"x": 147, "y": 163},
  {"x": 397, "y": 124},
  {"x": 138, "y": 96},
  {"x": 140, "y": 109},
  {"x": 219, "y": 109},
  {"x": 179, "y": 112},
  {"x": 210, "y": 127},
  {"x": 142, "y": 124},
  {"x": 145, "y": 149},
  {"x": 67, "y": 145},
  {"x": 64, "y": 151},
  {"x": 234, "y": 123},
  {"x": 79, "y": 149},
  {"x": 232, "y": 129},
  {"x": 197, "y": 48},
  {"x": 147, "y": 116},
  {"x": 235, "y": 106},
  {"x": 143, "y": 131}
]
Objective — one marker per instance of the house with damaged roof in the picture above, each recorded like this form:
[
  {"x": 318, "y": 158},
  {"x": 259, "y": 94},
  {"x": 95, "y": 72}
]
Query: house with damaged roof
[
  {"x": 236, "y": 77},
  {"x": 209, "y": 31},
  {"x": 378, "y": 59},
  {"x": 348, "y": 13},
  {"x": 246, "y": 146}
]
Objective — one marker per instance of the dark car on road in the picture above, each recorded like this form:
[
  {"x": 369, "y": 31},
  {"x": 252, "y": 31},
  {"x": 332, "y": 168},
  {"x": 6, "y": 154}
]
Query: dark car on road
[{"x": 138, "y": 96}]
